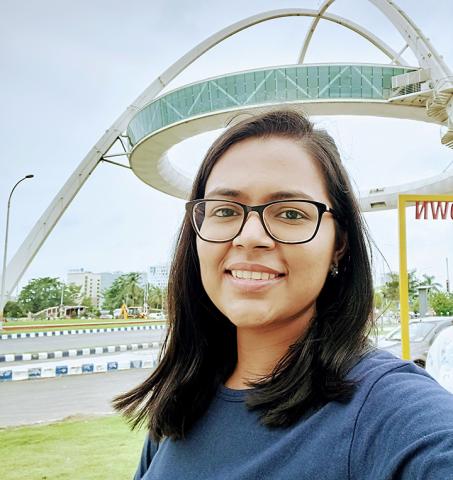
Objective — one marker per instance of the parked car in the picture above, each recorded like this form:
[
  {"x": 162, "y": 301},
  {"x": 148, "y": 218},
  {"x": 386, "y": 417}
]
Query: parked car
[
  {"x": 422, "y": 333},
  {"x": 439, "y": 363}
]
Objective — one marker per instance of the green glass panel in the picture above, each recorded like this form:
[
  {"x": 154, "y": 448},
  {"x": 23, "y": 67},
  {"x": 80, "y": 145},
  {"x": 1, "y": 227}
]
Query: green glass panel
[
  {"x": 205, "y": 100},
  {"x": 356, "y": 83},
  {"x": 291, "y": 84},
  {"x": 219, "y": 99},
  {"x": 366, "y": 90},
  {"x": 260, "y": 94},
  {"x": 282, "y": 85},
  {"x": 241, "y": 88},
  {"x": 231, "y": 86},
  {"x": 335, "y": 79},
  {"x": 249, "y": 85},
  {"x": 197, "y": 105},
  {"x": 377, "y": 82},
  {"x": 221, "y": 83},
  {"x": 346, "y": 83},
  {"x": 377, "y": 72},
  {"x": 387, "y": 80},
  {"x": 271, "y": 88},
  {"x": 312, "y": 79},
  {"x": 302, "y": 81},
  {"x": 334, "y": 70},
  {"x": 323, "y": 81},
  {"x": 366, "y": 70},
  {"x": 183, "y": 102}
]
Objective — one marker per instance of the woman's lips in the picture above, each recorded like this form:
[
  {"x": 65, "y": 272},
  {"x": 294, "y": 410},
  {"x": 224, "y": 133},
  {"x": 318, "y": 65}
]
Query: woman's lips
[{"x": 249, "y": 285}]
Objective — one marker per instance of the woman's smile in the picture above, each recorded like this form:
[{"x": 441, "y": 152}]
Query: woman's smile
[{"x": 248, "y": 281}]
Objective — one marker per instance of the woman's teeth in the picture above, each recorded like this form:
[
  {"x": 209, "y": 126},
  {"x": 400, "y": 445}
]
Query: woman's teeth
[{"x": 248, "y": 275}]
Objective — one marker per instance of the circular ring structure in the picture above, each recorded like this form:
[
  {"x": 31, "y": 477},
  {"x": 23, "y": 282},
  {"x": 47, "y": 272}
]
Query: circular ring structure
[{"x": 334, "y": 89}]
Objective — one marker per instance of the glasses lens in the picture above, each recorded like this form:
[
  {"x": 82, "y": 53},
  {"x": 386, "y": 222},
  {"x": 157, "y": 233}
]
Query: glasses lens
[
  {"x": 294, "y": 221},
  {"x": 217, "y": 220}
]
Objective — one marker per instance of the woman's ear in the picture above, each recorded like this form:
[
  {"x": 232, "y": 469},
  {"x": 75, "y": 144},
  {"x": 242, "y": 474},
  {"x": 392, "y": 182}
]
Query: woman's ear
[{"x": 341, "y": 247}]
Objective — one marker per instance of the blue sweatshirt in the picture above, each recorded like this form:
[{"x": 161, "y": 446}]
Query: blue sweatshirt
[{"x": 398, "y": 425}]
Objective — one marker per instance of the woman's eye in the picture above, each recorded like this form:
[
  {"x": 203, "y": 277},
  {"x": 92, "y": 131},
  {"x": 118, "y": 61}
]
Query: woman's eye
[
  {"x": 292, "y": 215},
  {"x": 225, "y": 212}
]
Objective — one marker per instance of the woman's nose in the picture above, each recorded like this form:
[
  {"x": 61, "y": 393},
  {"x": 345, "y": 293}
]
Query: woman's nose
[{"x": 253, "y": 233}]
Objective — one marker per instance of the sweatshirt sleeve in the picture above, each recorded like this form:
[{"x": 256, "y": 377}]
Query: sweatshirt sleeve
[
  {"x": 404, "y": 429},
  {"x": 148, "y": 452}
]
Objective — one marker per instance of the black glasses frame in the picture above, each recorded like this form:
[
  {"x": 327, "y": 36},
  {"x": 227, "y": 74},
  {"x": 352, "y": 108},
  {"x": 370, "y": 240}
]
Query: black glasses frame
[{"x": 322, "y": 208}]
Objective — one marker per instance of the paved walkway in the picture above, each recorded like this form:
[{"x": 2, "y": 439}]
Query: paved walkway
[
  {"x": 51, "y": 344},
  {"x": 52, "y": 399}
]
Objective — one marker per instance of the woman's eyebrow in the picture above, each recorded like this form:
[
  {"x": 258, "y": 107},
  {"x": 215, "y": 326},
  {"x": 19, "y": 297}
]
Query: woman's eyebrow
[
  {"x": 279, "y": 195},
  {"x": 223, "y": 192},
  {"x": 283, "y": 194}
]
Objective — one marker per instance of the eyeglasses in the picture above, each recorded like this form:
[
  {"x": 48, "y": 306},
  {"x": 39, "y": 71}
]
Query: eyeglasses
[{"x": 286, "y": 221}]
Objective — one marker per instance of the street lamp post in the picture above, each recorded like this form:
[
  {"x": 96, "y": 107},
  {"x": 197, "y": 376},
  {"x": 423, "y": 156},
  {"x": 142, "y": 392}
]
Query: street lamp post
[
  {"x": 5, "y": 251},
  {"x": 61, "y": 310}
]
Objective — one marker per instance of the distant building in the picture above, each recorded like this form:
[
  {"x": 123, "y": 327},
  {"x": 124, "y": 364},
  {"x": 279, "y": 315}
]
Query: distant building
[
  {"x": 93, "y": 285},
  {"x": 89, "y": 282},
  {"x": 107, "y": 278},
  {"x": 158, "y": 275}
]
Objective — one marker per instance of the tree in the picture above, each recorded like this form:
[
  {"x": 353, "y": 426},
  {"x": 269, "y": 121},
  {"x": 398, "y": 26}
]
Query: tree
[
  {"x": 156, "y": 295},
  {"x": 378, "y": 300},
  {"x": 125, "y": 289},
  {"x": 391, "y": 288},
  {"x": 45, "y": 292},
  {"x": 90, "y": 309},
  {"x": 134, "y": 293},
  {"x": 71, "y": 294},
  {"x": 13, "y": 310},
  {"x": 428, "y": 281},
  {"x": 441, "y": 303}
]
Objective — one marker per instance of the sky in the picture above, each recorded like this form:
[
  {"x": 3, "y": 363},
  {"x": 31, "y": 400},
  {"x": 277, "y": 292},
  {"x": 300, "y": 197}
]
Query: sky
[{"x": 69, "y": 69}]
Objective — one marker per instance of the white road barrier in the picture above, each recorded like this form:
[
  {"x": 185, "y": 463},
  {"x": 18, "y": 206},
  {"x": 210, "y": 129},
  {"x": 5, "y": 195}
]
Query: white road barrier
[
  {"x": 80, "y": 331},
  {"x": 81, "y": 366}
]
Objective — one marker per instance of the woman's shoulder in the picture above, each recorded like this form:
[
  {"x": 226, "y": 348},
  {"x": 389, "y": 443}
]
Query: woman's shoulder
[
  {"x": 376, "y": 365},
  {"x": 404, "y": 423},
  {"x": 397, "y": 388},
  {"x": 381, "y": 375}
]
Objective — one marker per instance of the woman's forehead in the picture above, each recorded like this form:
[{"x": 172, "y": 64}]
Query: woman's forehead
[{"x": 272, "y": 167}]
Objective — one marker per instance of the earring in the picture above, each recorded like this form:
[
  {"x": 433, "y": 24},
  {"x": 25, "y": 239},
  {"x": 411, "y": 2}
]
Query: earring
[{"x": 334, "y": 270}]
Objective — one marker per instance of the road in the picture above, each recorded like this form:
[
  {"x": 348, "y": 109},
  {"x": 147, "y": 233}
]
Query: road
[
  {"x": 84, "y": 340},
  {"x": 46, "y": 400}
]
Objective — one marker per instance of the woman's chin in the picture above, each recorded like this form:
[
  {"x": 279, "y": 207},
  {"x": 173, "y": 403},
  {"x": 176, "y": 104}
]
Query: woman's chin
[{"x": 249, "y": 319}]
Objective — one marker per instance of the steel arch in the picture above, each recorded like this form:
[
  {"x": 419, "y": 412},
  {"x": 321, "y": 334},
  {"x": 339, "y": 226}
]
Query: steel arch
[{"x": 45, "y": 224}]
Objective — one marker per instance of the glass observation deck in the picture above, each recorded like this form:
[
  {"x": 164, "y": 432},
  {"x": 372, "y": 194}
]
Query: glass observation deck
[{"x": 304, "y": 83}]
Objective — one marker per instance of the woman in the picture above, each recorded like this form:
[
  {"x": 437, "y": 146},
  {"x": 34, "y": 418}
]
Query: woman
[{"x": 266, "y": 371}]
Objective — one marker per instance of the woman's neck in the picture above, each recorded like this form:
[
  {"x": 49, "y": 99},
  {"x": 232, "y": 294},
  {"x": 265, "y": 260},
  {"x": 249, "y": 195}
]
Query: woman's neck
[{"x": 259, "y": 351}]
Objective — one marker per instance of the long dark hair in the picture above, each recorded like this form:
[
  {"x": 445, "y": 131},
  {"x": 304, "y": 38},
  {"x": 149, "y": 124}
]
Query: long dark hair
[{"x": 199, "y": 351}]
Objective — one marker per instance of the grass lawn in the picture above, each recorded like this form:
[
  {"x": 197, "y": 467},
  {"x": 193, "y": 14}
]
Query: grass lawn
[{"x": 100, "y": 448}]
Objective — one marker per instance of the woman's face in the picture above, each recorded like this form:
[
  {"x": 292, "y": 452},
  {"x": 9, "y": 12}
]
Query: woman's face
[{"x": 256, "y": 169}]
